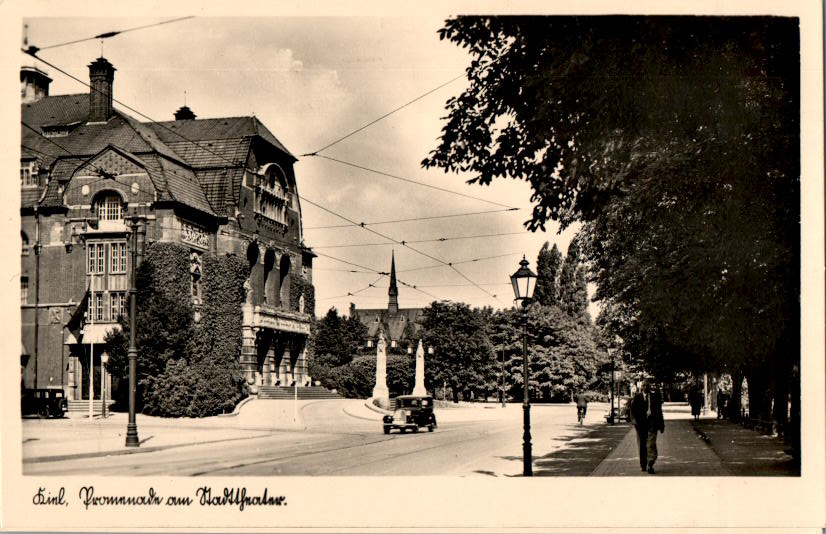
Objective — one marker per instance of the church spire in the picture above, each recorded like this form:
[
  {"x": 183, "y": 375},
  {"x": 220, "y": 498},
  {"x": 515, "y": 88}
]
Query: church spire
[{"x": 393, "y": 291}]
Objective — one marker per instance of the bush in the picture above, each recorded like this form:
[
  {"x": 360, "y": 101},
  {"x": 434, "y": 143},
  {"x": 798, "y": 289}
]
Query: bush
[
  {"x": 356, "y": 379},
  {"x": 184, "y": 368}
]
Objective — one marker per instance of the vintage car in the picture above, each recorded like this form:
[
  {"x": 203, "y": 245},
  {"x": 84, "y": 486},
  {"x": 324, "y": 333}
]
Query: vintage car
[
  {"x": 46, "y": 402},
  {"x": 412, "y": 412}
]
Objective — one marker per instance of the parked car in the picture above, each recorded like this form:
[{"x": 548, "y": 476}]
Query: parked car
[
  {"x": 47, "y": 402},
  {"x": 412, "y": 413}
]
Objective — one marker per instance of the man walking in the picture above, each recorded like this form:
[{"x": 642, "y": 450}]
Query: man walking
[
  {"x": 656, "y": 423},
  {"x": 639, "y": 417}
]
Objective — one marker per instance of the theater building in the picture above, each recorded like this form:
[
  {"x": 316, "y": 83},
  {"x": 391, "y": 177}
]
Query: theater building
[{"x": 217, "y": 186}]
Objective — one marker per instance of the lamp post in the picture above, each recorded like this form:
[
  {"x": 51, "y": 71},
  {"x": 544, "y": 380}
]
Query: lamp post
[
  {"x": 104, "y": 359},
  {"x": 503, "y": 378},
  {"x": 132, "y": 355},
  {"x": 611, "y": 351},
  {"x": 523, "y": 286}
]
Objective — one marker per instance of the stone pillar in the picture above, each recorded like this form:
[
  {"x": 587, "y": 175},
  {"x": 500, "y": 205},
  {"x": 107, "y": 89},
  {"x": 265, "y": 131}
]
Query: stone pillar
[
  {"x": 267, "y": 367},
  {"x": 301, "y": 364},
  {"x": 380, "y": 392},
  {"x": 74, "y": 378},
  {"x": 284, "y": 370},
  {"x": 418, "y": 388}
]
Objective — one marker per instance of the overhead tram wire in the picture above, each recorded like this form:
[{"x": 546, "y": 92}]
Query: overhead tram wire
[
  {"x": 438, "y": 266},
  {"x": 408, "y": 180},
  {"x": 62, "y": 71},
  {"x": 404, "y": 244},
  {"x": 411, "y": 286},
  {"x": 107, "y": 35},
  {"x": 353, "y": 293},
  {"x": 412, "y": 219},
  {"x": 435, "y": 240},
  {"x": 371, "y": 123}
]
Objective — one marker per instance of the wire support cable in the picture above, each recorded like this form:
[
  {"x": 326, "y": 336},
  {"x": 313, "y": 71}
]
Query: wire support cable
[
  {"x": 412, "y": 219},
  {"x": 415, "y": 182},
  {"x": 106, "y": 35}
]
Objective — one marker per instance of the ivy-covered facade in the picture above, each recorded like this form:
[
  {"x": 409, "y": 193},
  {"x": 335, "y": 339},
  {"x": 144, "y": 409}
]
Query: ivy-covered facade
[{"x": 92, "y": 177}]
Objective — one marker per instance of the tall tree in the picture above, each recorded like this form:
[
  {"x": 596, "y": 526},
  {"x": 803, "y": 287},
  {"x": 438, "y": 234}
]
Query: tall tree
[
  {"x": 462, "y": 353},
  {"x": 685, "y": 175},
  {"x": 548, "y": 263},
  {"x": 336, "y": 338},
  {"x": 568, "y": 297}
]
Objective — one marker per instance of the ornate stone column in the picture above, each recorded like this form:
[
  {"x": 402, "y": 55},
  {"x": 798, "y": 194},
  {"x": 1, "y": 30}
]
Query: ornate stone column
[
  {"x": 284, "y": 369},
  {"x": 380, "y": 391},
  {"x": 418, "y": 388}
]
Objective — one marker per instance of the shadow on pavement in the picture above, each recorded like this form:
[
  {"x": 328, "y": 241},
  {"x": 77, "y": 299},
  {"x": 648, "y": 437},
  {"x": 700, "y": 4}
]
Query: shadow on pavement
[
  {"x": 582, "y": 454},
  {"x": 745, "y": 452}
]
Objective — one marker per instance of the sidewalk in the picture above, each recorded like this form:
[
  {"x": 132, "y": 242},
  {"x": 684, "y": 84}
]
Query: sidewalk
[
  {"x": 77, "y": 437},
  {"x": 709, "y": 447}
]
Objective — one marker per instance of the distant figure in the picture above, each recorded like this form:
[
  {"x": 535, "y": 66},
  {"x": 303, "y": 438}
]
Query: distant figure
[
  {"x": 656, "y": 423},
  {"x": 721, "y": 403},
  {"x": 581, "y": 405},
  {"x": 639, "y": 417},
  {"x": 695, "y": 399}
]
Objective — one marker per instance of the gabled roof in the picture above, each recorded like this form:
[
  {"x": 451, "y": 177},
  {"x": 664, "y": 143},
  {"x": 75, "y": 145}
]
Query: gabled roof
[
  {"x": 61, "y": 109},
  {"x": 170, "y": 174},
  {"x": 224, "y": 129},
  {"x": 199, "y": 162}
]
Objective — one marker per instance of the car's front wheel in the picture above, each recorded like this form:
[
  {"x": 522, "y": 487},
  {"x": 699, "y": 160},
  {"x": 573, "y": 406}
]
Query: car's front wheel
[{"x": 430, "y": 428}]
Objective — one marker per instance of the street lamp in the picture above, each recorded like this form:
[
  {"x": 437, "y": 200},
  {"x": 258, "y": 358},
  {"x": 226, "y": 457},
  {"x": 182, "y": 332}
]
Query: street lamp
[
  {"x": 104, "y": 359},
  {"x": 523, "y": 287},
  {"x": 132, "y": 355},
  {"x": 611, "y": 351}
]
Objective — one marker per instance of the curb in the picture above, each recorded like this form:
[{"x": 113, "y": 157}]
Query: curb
[
  {"x": 372, "y": 407},
  {"x": 121, "y": 452}
]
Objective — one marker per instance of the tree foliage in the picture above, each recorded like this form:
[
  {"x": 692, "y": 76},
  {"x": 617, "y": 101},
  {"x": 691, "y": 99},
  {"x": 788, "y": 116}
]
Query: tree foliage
[
  {"x": 548, "y": 264},
  {"x": 357, "y": 378},
  {"x": 675, "y": 141},
  {"x": 462, "y": 353},
  {"x": 563, "y": 352},
  {"x": 184, "y": 368},
  {"x": 336, "y": 339}
]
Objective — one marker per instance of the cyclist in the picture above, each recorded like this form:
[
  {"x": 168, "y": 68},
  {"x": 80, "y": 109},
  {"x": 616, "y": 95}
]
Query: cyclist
[{"x": 581, "y": 405}]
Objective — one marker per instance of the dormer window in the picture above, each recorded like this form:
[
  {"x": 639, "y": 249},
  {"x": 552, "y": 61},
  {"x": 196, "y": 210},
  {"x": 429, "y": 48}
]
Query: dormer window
[
  {"x": 28, "y": 176},
  {"x": 109, "y": 207}
]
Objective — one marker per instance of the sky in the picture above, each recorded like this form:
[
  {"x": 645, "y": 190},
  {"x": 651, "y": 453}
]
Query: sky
[{"x": 312, "y": 80}]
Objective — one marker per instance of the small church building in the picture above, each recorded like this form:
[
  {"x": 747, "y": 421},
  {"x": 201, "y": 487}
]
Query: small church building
[{"x": 400, "y": 325}]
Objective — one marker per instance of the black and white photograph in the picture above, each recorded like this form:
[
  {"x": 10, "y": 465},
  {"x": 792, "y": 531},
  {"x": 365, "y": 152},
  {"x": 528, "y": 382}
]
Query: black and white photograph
[{"x": 457, "y": 267}]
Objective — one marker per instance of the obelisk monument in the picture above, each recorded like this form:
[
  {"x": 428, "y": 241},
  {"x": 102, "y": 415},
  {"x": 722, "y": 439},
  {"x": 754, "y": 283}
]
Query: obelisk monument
[
  {"x": 380, "y": 391},
  {"x": 418, "y": 388}
]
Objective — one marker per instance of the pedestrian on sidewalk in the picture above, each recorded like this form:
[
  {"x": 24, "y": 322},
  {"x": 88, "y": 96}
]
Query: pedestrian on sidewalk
[
  {"x": 656, "y": 423},
  {"x": 695, "y": 399},
  {"x": 639, "y": 417}
]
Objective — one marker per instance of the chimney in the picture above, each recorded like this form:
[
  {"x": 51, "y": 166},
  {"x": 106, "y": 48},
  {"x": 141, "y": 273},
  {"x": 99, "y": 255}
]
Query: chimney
[
  {"x": 34, "y": 84},
  {"x": 101, "y": 75},
  {"x": 184, "y": 114}
]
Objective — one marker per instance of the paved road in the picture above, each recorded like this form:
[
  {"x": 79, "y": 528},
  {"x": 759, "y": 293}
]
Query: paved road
[{"x": 481, "y": 442}]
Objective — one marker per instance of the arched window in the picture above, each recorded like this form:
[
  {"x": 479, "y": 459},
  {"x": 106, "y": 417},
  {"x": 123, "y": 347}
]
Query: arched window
[
  {"x": 284, "y": 280},
  {"x": 273, "y": 195},
  {"x": 108, "y": 207}
]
